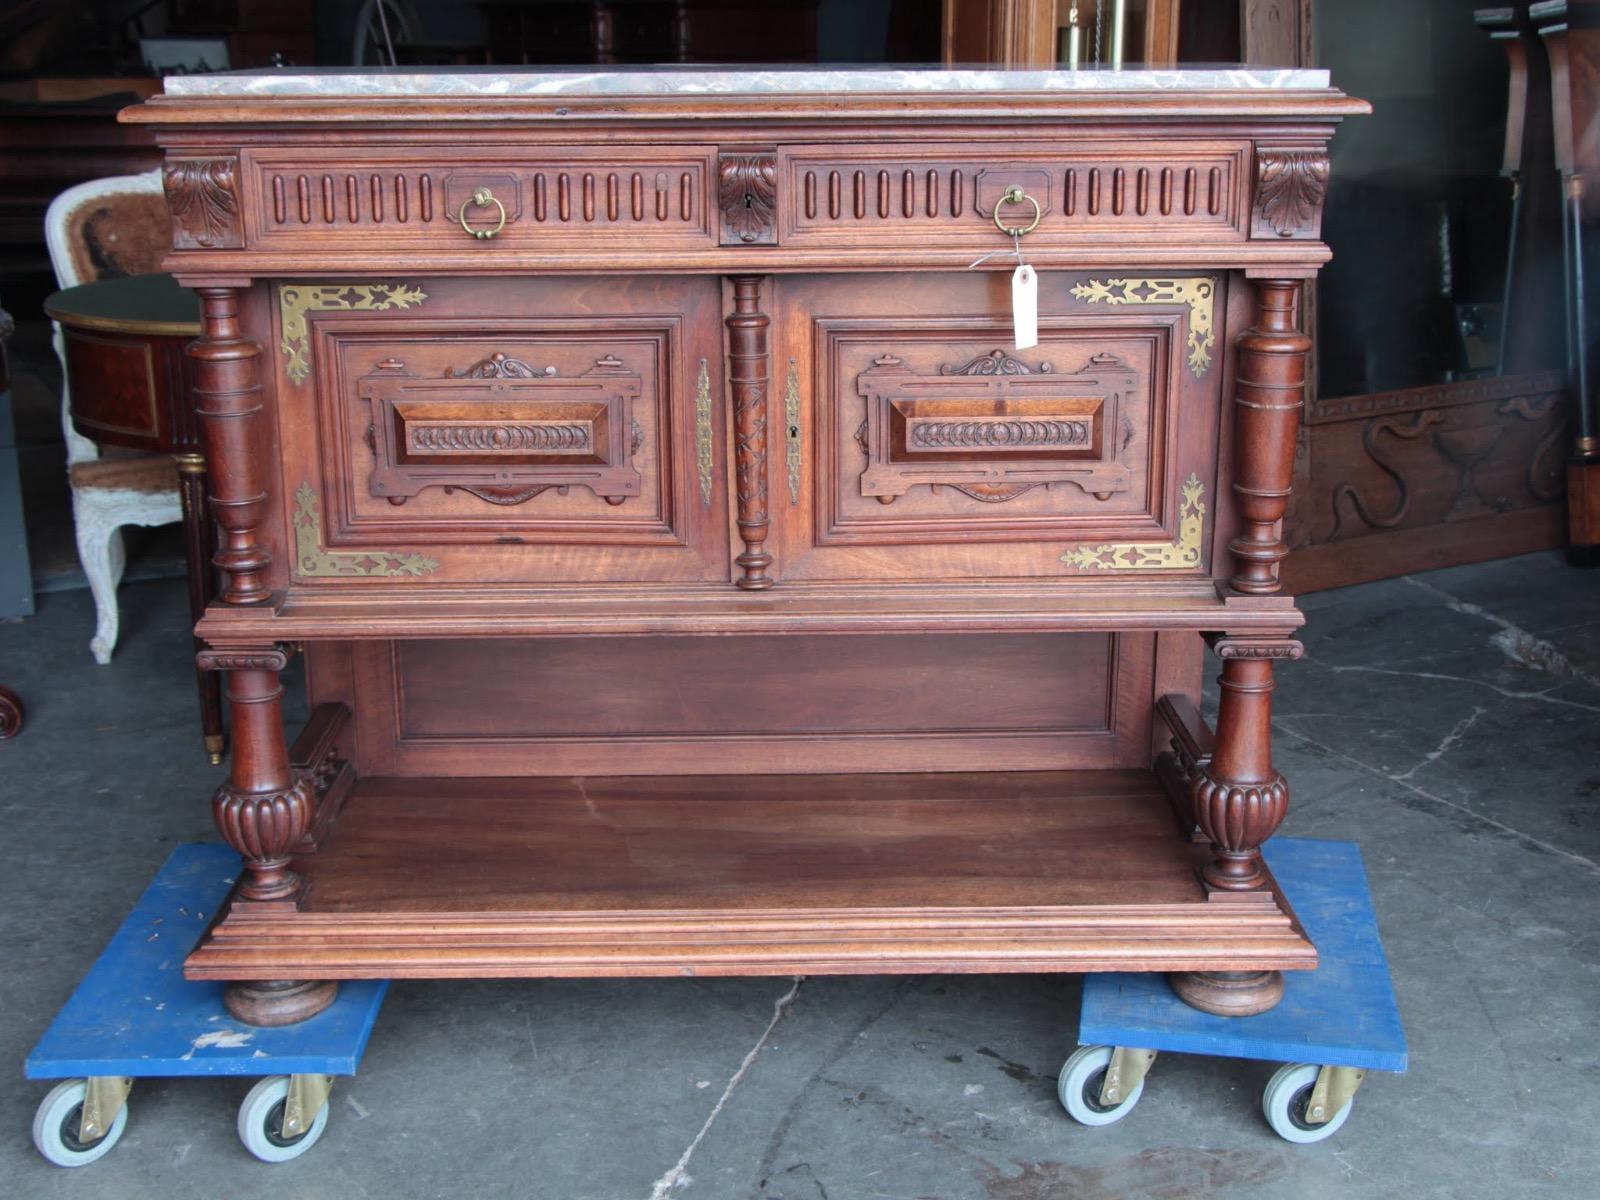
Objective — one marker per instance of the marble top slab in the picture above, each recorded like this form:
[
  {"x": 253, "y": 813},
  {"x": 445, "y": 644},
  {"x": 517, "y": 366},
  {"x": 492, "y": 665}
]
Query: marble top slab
[{"x": 663, "y": 81}]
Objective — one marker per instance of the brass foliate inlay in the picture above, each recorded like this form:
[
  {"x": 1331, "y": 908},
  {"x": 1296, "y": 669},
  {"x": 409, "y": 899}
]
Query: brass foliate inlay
[
  {"x": 1199, "y": 294},
  {"x": 702, "y": 432},
  {"x": 791, "y": 411},
  {"x": 312, "y": 560},
  {"x": 296, "y": 300},
  {"x": 1152, "y": 556}
]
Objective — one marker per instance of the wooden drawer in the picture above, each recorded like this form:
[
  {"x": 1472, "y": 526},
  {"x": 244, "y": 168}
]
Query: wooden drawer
[
  {"x": 1091, "y": 191},
  {"x": 486, "y": 432},
  {"x": 651, "y": 198},
  {"x": 920, "y": 444}
]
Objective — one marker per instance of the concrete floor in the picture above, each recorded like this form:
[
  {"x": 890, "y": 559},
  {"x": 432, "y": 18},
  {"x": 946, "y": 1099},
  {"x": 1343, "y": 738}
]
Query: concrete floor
[{"x": 1449, "y": 722}]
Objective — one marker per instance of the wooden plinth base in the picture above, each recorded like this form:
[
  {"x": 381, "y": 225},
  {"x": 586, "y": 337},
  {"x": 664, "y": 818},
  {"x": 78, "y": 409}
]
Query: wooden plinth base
[
  {"x": 1229, "y": 993},
  {"x": 757, "y": 875},
  {"x": 279, "y": 1002}
]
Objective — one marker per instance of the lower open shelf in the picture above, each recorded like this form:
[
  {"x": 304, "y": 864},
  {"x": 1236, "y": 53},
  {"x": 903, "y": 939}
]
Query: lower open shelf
[{"x": 754, "y": 875}]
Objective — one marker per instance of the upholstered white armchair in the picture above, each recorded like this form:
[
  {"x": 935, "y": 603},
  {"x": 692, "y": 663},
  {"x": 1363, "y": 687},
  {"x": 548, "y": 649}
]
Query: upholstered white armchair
[{"x": 97, "y": 230}]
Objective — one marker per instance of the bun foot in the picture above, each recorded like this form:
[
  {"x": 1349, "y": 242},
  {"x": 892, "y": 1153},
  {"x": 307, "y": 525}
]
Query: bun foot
[
  {"x": 1229, "y": 993},
  {"x": 278, "y": 1002}
]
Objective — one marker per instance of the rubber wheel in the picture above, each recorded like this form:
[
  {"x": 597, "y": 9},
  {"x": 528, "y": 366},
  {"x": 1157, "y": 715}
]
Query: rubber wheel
[
  {"x": 1082, "y": 1076},
  {"x": 1284, "y": 1101},
  {"x": 261, "y": 1123},
  {"x": 55, "y": 1127}
]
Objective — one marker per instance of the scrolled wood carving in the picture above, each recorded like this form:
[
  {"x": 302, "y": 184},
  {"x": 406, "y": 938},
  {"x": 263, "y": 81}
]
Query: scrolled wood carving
[
  {"x": 1290, "y": 188},
  {"x": 500, "y": 366},
  {"x": 747, "y": 193},
  {"x": 204, "y": 201},
  {"x": 996, "y": 362}
]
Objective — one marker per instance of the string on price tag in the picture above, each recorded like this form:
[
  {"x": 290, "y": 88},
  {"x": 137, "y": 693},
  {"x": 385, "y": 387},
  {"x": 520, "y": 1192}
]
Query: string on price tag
[{"x": 1024, "y": 295}]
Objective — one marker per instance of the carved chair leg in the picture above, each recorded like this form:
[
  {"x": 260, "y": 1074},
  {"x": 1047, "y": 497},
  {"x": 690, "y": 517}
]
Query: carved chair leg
[{"x": 100, "y": 551}]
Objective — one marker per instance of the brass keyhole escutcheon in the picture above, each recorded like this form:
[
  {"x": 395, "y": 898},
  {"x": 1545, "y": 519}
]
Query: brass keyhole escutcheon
[
  {"x": 483, "y": 198},
  {"x": 1015, "y": 195}
]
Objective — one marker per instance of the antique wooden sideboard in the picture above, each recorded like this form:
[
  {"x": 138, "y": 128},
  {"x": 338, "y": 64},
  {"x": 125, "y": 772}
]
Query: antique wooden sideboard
[{"x": 693, "y": 575}]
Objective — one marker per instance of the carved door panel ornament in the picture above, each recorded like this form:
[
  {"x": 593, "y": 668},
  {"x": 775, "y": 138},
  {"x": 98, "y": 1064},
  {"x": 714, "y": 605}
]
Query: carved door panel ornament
[
  {"x": 504, "y": 430},
  {"x": 995, "y": 428}
]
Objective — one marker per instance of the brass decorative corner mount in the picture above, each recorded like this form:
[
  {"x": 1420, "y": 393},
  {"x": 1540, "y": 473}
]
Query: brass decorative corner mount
[
  {"x": 1152, "y": 556},
  {"x": 312, "y": 559},
  {"x": 295, "y": 300},
  {"x": 1199, "y": 293}
]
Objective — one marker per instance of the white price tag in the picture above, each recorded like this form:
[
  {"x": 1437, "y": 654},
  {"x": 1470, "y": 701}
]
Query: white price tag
[{"x": 1025, "y": 306}]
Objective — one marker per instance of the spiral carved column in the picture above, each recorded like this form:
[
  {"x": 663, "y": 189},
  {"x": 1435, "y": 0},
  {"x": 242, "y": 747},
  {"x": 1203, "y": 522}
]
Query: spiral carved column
[{"x": 747, "y": 379}]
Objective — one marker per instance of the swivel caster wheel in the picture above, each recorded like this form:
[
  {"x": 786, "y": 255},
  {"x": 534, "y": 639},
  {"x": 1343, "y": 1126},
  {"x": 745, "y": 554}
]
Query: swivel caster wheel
[
  {"x": 58, "y": 1127},
  {"x": 1287, "y": 1101},
  {"x": 261, "y": 1121},
  {"x": 1083, "y": 1079}
]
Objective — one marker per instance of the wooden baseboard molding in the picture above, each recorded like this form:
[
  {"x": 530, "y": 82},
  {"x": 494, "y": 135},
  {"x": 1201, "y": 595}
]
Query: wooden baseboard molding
[{"x": 1404, "y": 551}]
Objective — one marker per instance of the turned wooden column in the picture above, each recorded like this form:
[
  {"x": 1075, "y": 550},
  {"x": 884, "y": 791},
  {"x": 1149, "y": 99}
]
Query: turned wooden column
[
  {"x": 227, "y": 395},
  {"x": 262, "y": 811},
  {"x": 747, "y": 380},
  {"x": 1271, "y": 389},
  {"x": 198, "y": 551},
  {"x": 1238, "y": 800}
]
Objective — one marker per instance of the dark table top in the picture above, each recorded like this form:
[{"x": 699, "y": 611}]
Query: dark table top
[{"x": 149, "y": 304}]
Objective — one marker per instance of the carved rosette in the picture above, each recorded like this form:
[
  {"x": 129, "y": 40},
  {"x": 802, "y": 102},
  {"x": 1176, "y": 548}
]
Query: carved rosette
[
  {"x": 1290, "y": 188},
  {"x": 747, "y": 193},
  {"x": 204, "y": 201},
  {"x": 264, "y": 828},
  {"x": 1236, "y": 818}
]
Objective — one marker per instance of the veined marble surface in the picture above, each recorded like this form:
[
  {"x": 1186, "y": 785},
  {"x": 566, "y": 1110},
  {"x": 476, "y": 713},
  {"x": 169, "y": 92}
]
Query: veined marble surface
[{"x": 496, "y": 81}]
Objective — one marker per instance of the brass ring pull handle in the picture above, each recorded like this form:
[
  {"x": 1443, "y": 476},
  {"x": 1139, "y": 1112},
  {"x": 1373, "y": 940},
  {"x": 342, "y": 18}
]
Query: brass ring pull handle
[
  {"x": 1015, "y": 195},
  {"x": 483, "y": 198}
]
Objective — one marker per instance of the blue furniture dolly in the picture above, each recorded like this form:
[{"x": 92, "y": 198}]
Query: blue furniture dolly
[
  {"x": 1332, "y": 1026},
  {"x": 134, "y": 1015}
]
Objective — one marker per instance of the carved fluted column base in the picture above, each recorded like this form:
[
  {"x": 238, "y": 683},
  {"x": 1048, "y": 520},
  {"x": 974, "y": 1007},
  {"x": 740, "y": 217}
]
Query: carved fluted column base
[
  {"x": 264, "y": 827},
  {"x": 1229, "y": 993},
  {"x": 1236, "y": 819},
  {"x": 279, "y": 1002}
]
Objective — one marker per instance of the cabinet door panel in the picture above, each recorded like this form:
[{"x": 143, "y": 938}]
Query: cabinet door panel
[
  {"x": 509, "y": 431},
  {"x": 923, "y": 444}
]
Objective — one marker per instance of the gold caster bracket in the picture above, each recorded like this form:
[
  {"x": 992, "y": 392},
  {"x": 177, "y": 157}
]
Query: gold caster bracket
[
  {"x": 307, "y": 1095},
  {"x": 104, "y": 1097},
  {"x": 1332, "y": 1091},
  {"x": 1125, "y": 1073}
]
